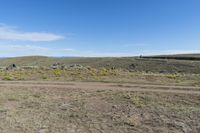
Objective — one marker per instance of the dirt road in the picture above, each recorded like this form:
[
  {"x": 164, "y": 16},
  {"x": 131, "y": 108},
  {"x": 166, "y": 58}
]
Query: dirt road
[{"x": 104, "y": 86}]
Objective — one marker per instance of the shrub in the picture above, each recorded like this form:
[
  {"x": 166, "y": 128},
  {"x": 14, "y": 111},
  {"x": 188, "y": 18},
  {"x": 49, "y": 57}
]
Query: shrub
[
  {"x": 103, "y": 72},
  {"x": 171, "y": 76},
  {"x": 57, "y": 72},
  {"x": 44, "y": 77},
  {"x": 7, "y": 77}
]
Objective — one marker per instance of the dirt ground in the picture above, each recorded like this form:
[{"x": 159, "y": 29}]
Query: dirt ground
[{"x": 91, "y": 107}]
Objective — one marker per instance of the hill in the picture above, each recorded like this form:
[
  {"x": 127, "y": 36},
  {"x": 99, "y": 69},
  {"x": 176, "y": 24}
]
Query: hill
[{"x": 147, "y": 64}]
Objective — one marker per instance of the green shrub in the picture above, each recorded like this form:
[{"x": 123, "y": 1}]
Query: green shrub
[
  {"x": 7, "y": 77},
  {"x": 103, "y": 72},
  {"x": 57, "y": 72},
  {"x": 171, "y": 76},
  {"x": 44, "y": 77}
]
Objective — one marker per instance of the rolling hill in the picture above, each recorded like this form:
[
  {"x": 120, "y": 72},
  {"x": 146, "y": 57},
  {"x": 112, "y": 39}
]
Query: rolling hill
[{"x": 158, "y": 64}]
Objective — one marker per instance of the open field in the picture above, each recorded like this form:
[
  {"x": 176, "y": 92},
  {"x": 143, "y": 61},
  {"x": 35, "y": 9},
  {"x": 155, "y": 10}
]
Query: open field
[
  {"x": 99, "y": 95},
  {"x": 43, "y": 106}
]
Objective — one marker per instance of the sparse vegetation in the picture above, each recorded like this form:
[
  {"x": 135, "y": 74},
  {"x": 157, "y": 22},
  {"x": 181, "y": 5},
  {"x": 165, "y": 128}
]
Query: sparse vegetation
[
  {"x": 125, "y": 63},
  {"x": 171, "y": 76},
  {"x": 7, "y": 77},
  {"x": 100, "y": 75},
  {"x": 110, "y": 110},
  {"x": 117, "y": 98}
]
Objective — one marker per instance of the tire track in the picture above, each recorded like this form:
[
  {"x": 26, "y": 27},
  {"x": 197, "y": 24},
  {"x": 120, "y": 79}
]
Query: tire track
[{"x": 102, "y": 86}]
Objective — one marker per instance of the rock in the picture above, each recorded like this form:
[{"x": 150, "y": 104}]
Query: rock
[
  {"x": 184, "y": 126},
  {"x": 58, "y": 66},
  {"x": 114, "y": 106},
  {"x": 11, "y": 67},
  {"x": 132, "y": 66},
  {"x": 134, "y": 120},
  {"x": 43, "y": 130},
  {"x": 65, "y": 106}
]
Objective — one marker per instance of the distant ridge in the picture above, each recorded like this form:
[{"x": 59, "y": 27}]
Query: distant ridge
[
  {"x": 4, "y": 57},
  {"x": 64, "y": 57},
  {"x": 193, "y": 57}
]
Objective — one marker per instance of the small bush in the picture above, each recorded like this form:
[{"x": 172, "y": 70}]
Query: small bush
[
  {"x": 103, "y": 72},
  {"x": 171, "y": 76},
  {"x": 44, "y": 77},
  {"x": 7, "y": 77},
  {"x": 57, "y": 72}
]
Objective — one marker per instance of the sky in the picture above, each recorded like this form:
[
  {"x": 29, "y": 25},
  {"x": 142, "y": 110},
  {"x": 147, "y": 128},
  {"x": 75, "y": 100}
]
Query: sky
[{"x": 92, "y": 28}]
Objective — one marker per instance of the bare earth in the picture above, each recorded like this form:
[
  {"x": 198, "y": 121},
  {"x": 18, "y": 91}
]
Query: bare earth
[{"x": 94, "y": 107}]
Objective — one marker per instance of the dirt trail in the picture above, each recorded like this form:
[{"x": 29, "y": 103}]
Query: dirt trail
[{"x": 103, "y": 86}]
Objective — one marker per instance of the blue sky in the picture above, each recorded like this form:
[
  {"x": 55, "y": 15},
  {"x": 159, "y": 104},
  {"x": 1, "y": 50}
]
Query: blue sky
[{"x": 99, "y": 27}]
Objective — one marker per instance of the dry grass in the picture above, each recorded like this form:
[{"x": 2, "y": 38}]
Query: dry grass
[
  {"x": 43, "y": 109},
  {"x": 126, "y": 63},
  {"x": 100, "y": 75}
]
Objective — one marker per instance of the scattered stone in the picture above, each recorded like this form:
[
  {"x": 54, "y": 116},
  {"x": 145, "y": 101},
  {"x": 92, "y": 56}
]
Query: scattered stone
[
  {"x": 114, "y": 106},
  {"x": 65, "y": 106},
  {"x": 55, "y": 66},
  {"x": 134, "y": 120},
  {"x": 43, "y": 130},
  {"x": 76, "y": 66},
  {"x": 132, "y": 66},
  {"x": 58, "y": 66},
  {"x": 113, "y": 68},
  {"x": 184, "y": 126},
  {"x": 11, "y": 67}
]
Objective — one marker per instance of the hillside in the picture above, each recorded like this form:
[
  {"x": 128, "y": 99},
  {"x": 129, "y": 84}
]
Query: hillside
[{"x": 129, "y": 63}]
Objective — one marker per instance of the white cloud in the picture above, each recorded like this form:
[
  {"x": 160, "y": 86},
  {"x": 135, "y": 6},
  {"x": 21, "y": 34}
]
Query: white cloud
[
  {"x": 135, "y": 53},
  {"x": 23, "y": 47},
  {"x": 134, "y": 45},
  {"x": 11, "y": 50},
  {"x": 11, "y": 33},
  {"x": 68, "y": 50},
  {"x": 166, "y": 52}
]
